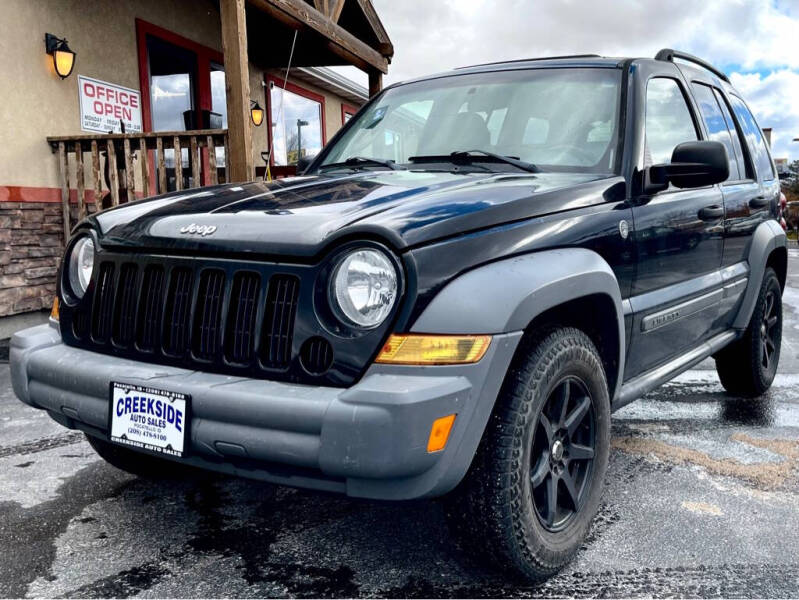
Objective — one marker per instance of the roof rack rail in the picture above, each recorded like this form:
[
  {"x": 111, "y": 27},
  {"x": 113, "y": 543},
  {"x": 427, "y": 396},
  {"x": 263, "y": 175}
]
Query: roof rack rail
[
  {"x": 520, "y": 60},
  {"x": 669, "y": 55}
]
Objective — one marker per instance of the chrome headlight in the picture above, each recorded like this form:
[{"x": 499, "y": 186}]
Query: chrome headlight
[
  {"x": 364, "y": 288},
  {"x": 81, "y": 265}
]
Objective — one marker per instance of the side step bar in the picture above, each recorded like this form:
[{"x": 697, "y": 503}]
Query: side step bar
[{"x": 646, "y": 382}]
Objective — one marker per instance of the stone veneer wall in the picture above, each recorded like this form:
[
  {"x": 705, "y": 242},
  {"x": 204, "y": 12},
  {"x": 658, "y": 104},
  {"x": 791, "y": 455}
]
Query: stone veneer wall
[{"x": 31, "y": 244}]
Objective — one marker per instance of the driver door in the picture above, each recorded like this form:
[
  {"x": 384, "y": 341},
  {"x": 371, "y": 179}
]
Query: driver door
[{"x": 679, "y": 243}]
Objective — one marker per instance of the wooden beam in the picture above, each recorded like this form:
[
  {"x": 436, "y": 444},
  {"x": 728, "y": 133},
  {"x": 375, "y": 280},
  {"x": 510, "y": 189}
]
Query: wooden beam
[
  {"x": 63, "y": 171},
  {"x": 335, "y": 10},
  {"x": 375, "y": 83},
  {"x": 97, "y": 176},
  {"x": 297, "y": 14},
  {"x": 80, "y": 182},
  {"x": 385, "y": 47},
  {"x": 237, "y": 88}
]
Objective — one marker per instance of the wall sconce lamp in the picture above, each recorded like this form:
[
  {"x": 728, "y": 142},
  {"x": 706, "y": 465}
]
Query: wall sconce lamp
[
  {"x": 256, "y": 113},
  {"x": 63, "y": 57}
]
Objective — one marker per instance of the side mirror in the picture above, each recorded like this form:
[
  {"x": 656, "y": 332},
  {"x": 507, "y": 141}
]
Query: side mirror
[
  {"x": 303, "y": 163},
  {"x": 693, "y": 164}
]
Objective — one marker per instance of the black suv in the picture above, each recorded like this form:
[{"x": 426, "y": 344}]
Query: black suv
[{"x": 472, "y": 275}]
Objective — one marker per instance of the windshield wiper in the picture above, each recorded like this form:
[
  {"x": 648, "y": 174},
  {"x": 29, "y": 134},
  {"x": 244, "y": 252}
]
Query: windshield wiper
[
  {"x": 470, "y": 156},
  {"x": 362, "y": 161}
]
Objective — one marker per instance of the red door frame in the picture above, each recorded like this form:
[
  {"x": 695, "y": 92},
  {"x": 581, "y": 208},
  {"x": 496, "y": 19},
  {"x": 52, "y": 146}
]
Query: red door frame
[
  {"x": 300, "y": 91},
  {"x": 347, "y": 109},
  {"x": 205, "y": 56}
]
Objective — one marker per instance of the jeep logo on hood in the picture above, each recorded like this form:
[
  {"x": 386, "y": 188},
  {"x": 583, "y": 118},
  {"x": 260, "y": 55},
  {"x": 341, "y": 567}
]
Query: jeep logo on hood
[{"x": 195, "y": 229}]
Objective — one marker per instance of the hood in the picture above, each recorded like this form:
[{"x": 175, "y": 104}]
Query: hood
[{"x": 300, "y": 216}]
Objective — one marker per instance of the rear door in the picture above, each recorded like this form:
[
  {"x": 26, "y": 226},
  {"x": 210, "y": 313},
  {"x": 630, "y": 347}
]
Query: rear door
[
  {"x": 743, "y": 199},
  {"x": 678, "y": 237},
  {"x": 748, "y": 202},
  {"x": 755, "y": 200}
]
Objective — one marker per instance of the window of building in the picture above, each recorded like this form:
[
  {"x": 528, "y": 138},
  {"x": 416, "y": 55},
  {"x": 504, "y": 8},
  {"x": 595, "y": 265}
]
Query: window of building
[
  {"x": 347, "y": 112},
  {"x": 183, "y": 88},
  {"x": 754, "y": 139},
  {"x": 716, "y": 124},
  {"x": 668, "y": 120},
  {"x": 296, "y": 123}
]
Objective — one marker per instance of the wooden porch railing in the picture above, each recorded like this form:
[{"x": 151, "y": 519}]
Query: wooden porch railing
[{"x": 122, "y": 150}]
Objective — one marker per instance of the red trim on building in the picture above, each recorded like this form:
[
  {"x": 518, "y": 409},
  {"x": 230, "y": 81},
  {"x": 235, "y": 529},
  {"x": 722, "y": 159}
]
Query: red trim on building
[
  {"x": 47, "y": 195},
  {"x": 347, "y": 109},
  {"x": 294, "y": 89}
]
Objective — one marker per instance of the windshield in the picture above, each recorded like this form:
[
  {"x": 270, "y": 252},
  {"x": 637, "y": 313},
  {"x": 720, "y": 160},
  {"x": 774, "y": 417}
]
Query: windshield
[{"x": 557, "y": 119}]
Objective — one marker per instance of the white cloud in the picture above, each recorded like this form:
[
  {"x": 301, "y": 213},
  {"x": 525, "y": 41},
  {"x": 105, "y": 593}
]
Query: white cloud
[{"x": 438, "y": 35}]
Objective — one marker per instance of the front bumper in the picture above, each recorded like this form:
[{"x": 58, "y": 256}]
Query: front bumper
[{"x": 369, "y": 440}]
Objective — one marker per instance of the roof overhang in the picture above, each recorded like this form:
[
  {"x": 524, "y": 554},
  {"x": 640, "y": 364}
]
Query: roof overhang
[
  {"x": 330, "y": 81},
  {"x": 302, "y": 16}
]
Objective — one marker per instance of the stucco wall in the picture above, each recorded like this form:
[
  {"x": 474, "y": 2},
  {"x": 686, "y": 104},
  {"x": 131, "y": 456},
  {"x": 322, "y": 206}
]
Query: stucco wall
[{"x": 35, "y": 102}]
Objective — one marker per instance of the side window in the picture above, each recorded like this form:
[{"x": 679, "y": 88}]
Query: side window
[
  {"x": 716, "y": 124},
  {"x": 754, "y": 139},
  {"x": 744, "y": 165},
  {"x": 668, "y": 120}
]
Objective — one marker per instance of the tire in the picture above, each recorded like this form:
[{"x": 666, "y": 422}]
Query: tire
[
  {"x": 139, "y": 463},
  {"x": 500, "y": 510},
  {"x": 747, "y": 367}
]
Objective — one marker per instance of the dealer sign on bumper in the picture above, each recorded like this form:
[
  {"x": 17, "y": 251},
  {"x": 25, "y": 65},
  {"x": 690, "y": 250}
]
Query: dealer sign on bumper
[{"x": 148, "y": 418}]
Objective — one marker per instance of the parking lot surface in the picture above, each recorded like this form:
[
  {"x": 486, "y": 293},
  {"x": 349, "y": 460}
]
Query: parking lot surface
[{"x": 701, "y": 499}]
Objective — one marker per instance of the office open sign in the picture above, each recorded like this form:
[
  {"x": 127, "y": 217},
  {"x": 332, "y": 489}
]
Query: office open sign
[{"x": 103, "y": 105}]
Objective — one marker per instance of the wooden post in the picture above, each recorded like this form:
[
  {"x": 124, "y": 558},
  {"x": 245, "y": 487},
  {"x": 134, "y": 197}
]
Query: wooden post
[
  {"x": 63, "y": 168},
  {"x": 375, "y": 83},
  {"x": 159, "y": 149},
  {"x": 97, "y": 177},
  {"x": 195, "y": 163},
  {"x": 178, "y": 163},
  {"x": 145, "y": 167},
  {"x": 80, "y": 183},
  {"x": 113, "y": 175},
  {"x": 214, "y": 179},
  {"x": 227, "y": 158},
  {"x": 237, "y": 87},
  {"x": 129, "y": 174}
]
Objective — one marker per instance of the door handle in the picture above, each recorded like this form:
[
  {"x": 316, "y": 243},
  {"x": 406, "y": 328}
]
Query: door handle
[
  {"x": 759, "y": 202},
  {"x": 711, "y": 213}
]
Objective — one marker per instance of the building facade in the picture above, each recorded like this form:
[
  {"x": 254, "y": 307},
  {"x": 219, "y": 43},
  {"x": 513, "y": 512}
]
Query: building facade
[{"x": 159, "y": 66}]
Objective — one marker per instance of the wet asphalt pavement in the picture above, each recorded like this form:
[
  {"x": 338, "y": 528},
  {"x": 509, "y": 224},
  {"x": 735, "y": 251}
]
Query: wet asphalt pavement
[{"x": 701, "y": 499}]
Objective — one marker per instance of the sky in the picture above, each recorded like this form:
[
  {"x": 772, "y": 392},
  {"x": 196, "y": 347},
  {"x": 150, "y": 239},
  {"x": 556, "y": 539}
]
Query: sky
[{"x": 756, "y": 42}]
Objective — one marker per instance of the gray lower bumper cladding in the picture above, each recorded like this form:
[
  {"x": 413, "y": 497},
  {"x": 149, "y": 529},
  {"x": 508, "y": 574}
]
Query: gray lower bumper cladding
[{"x": 369, "y": 440}]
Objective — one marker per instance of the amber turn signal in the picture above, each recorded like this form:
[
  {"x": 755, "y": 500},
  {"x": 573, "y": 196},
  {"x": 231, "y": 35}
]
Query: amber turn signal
[
  {"x": 412, "y": 349},
  {"x": 54, "y": 310},
  {"x": 439, "y": 433}
]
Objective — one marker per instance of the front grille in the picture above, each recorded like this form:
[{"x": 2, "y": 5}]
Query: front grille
[
  {"x": 151, "y": 302},
  {"x": 192, "y": 314},
  {"x": 237, "y": 316},
  {"x": 125, "y": 313},
  {"x": 278, "y": 326},
  {"x": 241, "y": 322},
  {"x": 178, "y": 307},
  {"x": 103, "y": 303}
]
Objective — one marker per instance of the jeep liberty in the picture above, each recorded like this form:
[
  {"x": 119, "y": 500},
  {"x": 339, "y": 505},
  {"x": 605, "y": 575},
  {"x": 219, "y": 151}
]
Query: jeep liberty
[{"x": 452, "y": 299}]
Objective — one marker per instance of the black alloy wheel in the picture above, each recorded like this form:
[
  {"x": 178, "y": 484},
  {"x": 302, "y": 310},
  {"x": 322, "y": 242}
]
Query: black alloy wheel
[
  {"x": 563, "y": 454},
  {"x": 768, "y": 333}
]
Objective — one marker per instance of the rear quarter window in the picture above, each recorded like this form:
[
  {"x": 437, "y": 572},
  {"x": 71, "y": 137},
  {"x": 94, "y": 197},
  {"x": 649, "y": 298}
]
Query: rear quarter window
[{"x": 754, "y": 139}]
